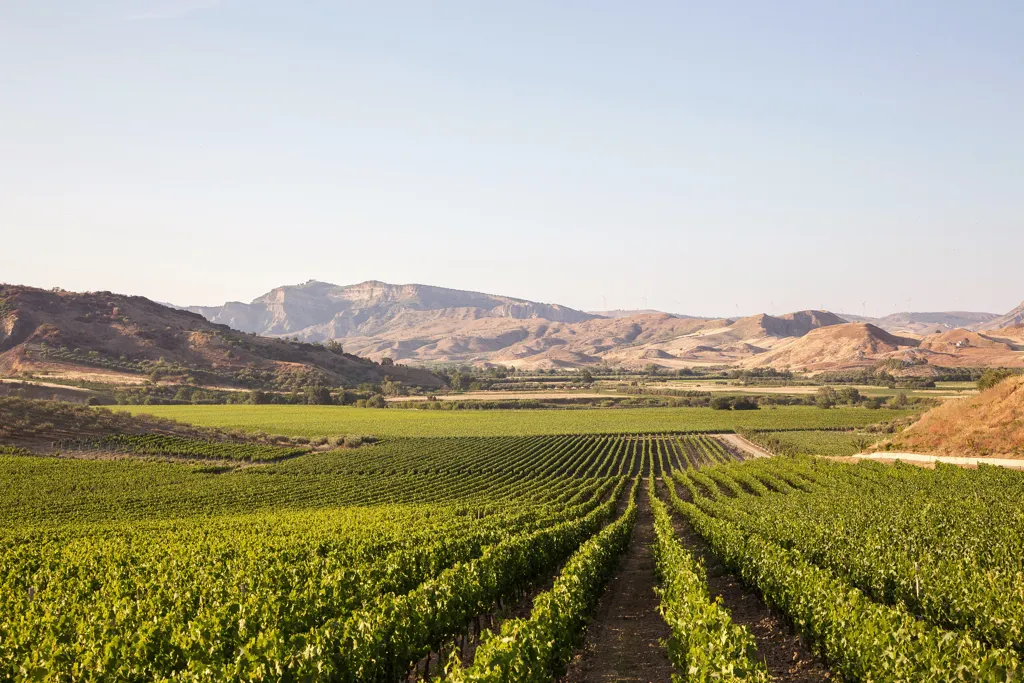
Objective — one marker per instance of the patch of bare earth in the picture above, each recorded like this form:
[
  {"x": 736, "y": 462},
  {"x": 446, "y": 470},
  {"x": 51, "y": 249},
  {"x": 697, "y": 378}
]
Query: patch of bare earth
[
  {"x": 784, "y": 653},
  {"x": 742, "y": 447},
  {"x": 623, "y": 640}
]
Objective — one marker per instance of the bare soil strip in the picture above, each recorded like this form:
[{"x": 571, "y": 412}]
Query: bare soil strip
[
  {"x": 623, "y": 641},
  {"x": 787, "y": 657},
  {"x": 745, "y": 447}
]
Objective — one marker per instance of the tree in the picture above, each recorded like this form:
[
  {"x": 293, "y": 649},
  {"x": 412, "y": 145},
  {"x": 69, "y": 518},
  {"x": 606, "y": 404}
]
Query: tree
[
  {"x": 826, "y": 398},
  {"x": 652, "y": 369},
  {"x": 335, "y": 347},
  {"x": 992, "y": 377},
  {"x": 745, "y": 403},
  {"x": 318, "y": 395},
  {"x": 387, "y": 360},
  {"x": 390, "y": 387},
  {"x": 721, "y": 403},
  {"x": 849, "y": 395},
  {"x": 898, "y": 401},
  {"x": 376, "y": 401},
  {"x": 585, "y": 376},
  {"x": 259, "y": 397}
]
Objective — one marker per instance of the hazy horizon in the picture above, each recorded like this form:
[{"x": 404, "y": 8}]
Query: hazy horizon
[{"x": 719, "y": 160}]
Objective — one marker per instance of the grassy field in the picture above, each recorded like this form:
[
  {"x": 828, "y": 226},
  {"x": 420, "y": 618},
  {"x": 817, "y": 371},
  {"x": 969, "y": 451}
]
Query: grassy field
[{"x": 314, "y": 421}]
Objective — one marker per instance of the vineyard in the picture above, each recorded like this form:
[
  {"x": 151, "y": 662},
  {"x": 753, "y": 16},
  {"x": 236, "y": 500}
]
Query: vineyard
[
  {"x": 159, "y": 444},
  {"x": 486, "y": 558},
  {"x": 314, "y": 421}
]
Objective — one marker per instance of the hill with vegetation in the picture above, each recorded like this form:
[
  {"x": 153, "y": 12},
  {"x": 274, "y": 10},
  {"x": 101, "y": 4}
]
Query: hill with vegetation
[
  {"x": 64, "y": 429},
  {"x": 114, "y": 338},
  {"x": 989, "y": 424}
]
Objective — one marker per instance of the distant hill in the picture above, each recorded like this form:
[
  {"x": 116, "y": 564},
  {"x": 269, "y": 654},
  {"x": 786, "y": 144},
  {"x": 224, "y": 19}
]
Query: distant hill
[
  {"x": 926, "y": 323},
  {"x": 114, "y": 337},
  {"x": 423, "y": 324},
  {"x": 1011, "y": 319},
  {"x": 629, "y": 313},
  {"x": 835, "y": 346},
  {"x": 315, "y": 311}
]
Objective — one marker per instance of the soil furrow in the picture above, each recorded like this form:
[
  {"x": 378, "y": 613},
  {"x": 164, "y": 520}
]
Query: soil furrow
[
  {"x": 787, "y": 657},
  {"x": 624, "y": 638}
]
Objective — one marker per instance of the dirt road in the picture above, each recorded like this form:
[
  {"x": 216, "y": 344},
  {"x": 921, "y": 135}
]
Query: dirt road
[{"x": 748, "y": 449}]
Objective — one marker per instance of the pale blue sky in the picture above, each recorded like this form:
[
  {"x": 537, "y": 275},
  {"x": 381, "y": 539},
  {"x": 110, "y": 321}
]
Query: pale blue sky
[{"x": 712, "y": 156}]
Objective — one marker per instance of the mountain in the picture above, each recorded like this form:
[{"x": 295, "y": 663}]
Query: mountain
[
  {"x": 628, "y": 313},
  {"x": 125, "y": 339},
  {"x": 1011, "y": 319},
  {"x": 834, "y": 347},
  {"x": 315, "y": 311},
  {"x": 424, "y": 324},
  {"x": 926, "y": 323}
]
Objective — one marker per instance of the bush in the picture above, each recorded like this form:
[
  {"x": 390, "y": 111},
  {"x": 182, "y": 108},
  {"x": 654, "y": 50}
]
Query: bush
[
  {"x": 992, "y": 377},
  {"x": 745, "y": 403},
  {"x": 898, "y": 401},
  {"x": 721, "y": 403},
  {"x": 849, "y": 395},
  {"x": 826, "y": 398}
]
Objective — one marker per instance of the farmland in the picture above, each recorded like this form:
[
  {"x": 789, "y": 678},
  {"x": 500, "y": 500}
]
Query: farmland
[
  {"x": 313, "y": 421},
  {"x": 496, "y": 545}
]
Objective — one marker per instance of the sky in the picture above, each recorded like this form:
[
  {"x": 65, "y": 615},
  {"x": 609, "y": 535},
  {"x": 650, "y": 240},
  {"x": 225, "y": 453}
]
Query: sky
[{"x": 709, "y": 158}]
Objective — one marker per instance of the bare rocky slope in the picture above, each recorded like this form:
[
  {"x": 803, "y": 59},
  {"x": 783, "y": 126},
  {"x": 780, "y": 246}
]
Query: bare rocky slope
[
  {"x": 113, "y": 337},
  {"x": 1011, "y": 319},
  {"x": 315, "y": 311},
  {"x": 423, "y": 324}
]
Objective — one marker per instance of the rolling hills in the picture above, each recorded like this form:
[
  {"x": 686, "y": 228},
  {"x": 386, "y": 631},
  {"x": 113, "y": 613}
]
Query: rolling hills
[
  {"x": 277, "y": 340},
  {"x": 424, "y": 325},
  {"x": 115, "y": 338},
  {"x": 923, "y": 323}
]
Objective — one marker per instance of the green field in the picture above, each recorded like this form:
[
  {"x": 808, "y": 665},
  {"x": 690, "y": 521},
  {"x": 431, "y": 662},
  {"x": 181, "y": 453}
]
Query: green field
[{"x": 311, "y": 421}]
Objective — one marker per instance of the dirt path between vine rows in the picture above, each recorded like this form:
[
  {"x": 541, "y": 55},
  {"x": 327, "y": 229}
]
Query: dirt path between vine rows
[
  {"x": 623, "y": 640},
  {"x": 781, "y": 649}
]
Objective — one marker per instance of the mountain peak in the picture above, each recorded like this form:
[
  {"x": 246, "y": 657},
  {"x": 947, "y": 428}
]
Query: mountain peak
[{"x": 316, "y": 311}]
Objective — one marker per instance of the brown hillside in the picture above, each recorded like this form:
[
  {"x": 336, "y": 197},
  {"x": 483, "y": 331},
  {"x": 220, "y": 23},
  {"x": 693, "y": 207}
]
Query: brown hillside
[
  {"x": 833, "y": 347},
  {"x": 991, "y": 423},
  {"x": 1011, "y": 319},
  {"x": 955, "y": 340},
  {"x": 966, "y": 349},
  {"x": 100, "y": 333}
]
